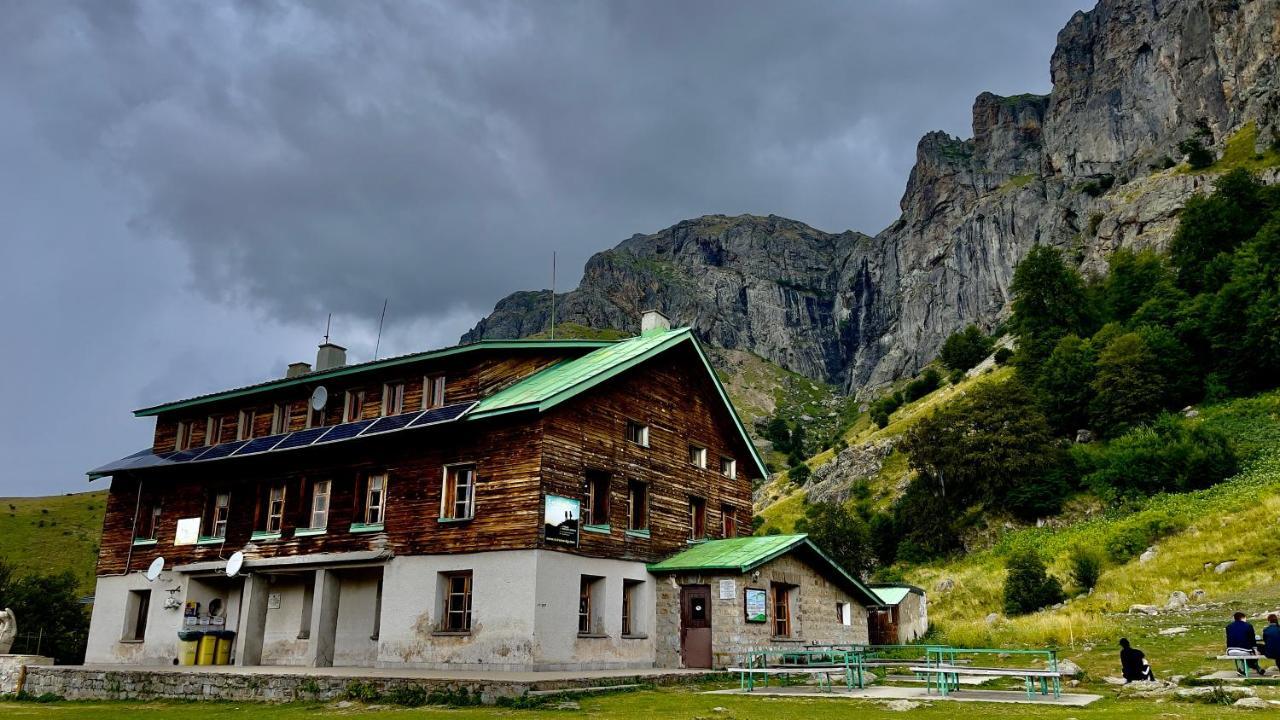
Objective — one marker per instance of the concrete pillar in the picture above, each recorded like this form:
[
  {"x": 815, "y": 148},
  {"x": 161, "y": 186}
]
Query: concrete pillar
[
  {"x": 324, "y": 619},
  {"x": 253, "y": 620}
]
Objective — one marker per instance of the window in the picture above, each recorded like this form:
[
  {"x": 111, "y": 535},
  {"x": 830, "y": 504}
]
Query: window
[
  {"x": 637, "y": 433},
  {"x": 637, "y": 505},
  {"x": 392, "y": 398},
  {"x": 457, "y": 501},
  {"x": 697, "y": 518},
  {"x": 244, "y": 426},
  {"x": 136, "y": 608},
  {"x": 456, "y": 616},
  {"x": 630, "y": 601},
  {"x": 148, "y": 521},
  {"x": 698, "y": 456},
  {"x": 781, "y": 610},
  {"x": 320, "y": 503},
  {"x": 843, "y": 616},
  {"x": 275, "y": 509},
  {"x": 595, "y": 509},
  {"x": 375, "y": 499},
  {"x": 353, "y": 407},
  {"x": 729, "y": 468},
  {"x": 280, "y": 418},
  {"x": 183, "y": 439},
  {"x": 315, "y": 418},
  {"x": 432, "y": 392},
  {"x": 728, "y": 521},
  {"x": 213, "y": 430},
  {"x": 590, "y": 590},
  {"x": 218, "y": 516}
]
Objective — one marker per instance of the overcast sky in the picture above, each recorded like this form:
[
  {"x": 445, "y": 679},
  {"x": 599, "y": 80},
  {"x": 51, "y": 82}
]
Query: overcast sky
[{"x": 188, "y": 188}]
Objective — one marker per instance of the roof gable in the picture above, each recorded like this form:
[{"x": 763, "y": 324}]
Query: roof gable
[{"x": 550, "y": 387}]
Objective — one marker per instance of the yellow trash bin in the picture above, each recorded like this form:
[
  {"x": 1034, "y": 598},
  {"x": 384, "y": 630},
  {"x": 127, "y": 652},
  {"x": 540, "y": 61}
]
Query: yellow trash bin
[
  {"x": 208, "y": 649},
  {"x": 188, "y": 641},
  {"x": 226, "y": 638}
]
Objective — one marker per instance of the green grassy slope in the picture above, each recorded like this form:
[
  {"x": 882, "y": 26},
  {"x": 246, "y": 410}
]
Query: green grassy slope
[{"x": 52, "y": 534}]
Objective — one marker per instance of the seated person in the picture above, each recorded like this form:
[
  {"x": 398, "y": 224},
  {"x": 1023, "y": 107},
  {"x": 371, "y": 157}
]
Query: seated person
[
  {"x": 1241, "y": 640},
  {"x": 1133, "y": 664},
  {"x": 1271, "y": 639}
]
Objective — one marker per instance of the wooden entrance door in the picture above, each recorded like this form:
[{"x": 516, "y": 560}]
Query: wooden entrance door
[
  {"x": 695, "y": 626},
  {"x": 881, "y": 626}
]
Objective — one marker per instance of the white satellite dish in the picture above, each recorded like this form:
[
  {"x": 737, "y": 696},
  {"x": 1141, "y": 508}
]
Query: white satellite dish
[
  {"x": 319, "y": 397},
  {"x": 157, "y": 567},
  {"x": 234, "y": 563}
]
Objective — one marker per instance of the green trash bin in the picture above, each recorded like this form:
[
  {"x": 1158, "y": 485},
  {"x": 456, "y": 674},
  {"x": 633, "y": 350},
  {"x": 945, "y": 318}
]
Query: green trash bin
[{"x": 188, "y": 643}]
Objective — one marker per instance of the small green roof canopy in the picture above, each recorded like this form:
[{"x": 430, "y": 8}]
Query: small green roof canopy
[
  {"x": 744, "y": 554},
  {"x": 894, "y": 594},
  {"x": 550, "y": 387}
]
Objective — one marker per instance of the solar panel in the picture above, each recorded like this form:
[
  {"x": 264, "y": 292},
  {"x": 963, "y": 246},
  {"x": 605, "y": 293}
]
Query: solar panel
[
  {"x": 442, "y": 414},
  {"x": 261, "y": 444},
  {"x": 223, "y": 450},
  {"x": 301, "y": 438},
  {"x": 346, "y": 431},
  {"x": 188, "y": 455},
  {"x": 394, "y": 422}
]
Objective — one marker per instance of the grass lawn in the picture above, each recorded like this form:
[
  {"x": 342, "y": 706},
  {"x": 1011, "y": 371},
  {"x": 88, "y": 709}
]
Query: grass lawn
[{"x": 661, "y": 703}]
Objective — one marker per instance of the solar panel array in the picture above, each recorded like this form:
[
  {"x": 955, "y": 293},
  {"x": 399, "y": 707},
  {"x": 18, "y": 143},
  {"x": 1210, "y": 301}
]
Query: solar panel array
[{"x": 290, "y": 441}]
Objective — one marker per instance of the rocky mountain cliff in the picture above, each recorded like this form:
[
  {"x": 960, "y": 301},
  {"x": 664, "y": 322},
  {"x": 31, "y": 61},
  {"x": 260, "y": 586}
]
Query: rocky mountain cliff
[{"x": 1074, "y": 169}]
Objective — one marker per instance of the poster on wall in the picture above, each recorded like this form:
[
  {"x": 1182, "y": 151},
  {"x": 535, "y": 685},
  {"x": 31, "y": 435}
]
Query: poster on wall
[
  {"x": 188, "y": 531},
  {"x": 560, "y": 520},
  {"x": 757, "y": 603}
]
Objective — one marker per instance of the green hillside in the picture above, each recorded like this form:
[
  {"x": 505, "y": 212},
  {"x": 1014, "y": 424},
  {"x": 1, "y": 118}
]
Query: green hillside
[{"x": 52, "y": 534}]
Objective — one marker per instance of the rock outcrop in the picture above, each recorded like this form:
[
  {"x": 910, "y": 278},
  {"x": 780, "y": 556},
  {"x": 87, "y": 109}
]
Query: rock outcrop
[{"x": 1131, "y": 79}]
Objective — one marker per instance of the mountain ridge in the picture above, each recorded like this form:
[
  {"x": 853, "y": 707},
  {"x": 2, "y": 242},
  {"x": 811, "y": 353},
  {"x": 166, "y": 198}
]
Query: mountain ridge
[{"x": 1078, "y": 169}]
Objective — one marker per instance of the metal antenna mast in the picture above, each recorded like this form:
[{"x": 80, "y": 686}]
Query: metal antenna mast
[
  {"x": 553, "y": 294},
  {"x": 378, "y": 344}
]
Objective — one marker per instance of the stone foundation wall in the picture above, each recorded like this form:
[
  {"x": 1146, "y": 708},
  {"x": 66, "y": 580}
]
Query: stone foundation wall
[
  {"x": 76, "y": 683},
  {"x": 12, "y": 671}
]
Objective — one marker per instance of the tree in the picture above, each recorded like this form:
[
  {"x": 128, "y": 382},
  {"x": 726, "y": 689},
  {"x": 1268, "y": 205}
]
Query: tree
[
  {"x": 1128, "y": 387},
  {"x": 928, "y": 381},
  {"x": 778, "y": 433},
  {"x": 965, "y": 348},
  {"x": 48, "y": 606},
  {"x": 1028, "y": 587},
  {"x": 1214, "y": 225},
  {"x": 841, "y": 534},
  {"x": 1134, "y": 277},
  {"x": 799, "y": 474},
  {"x": 1198, "y": 156},
  {"x": 1086, "y": 567},
  {"x": 1063, "y": 389},
  {"x": 1049, "y": 303}
]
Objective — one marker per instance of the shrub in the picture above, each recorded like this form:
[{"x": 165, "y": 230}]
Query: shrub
[
  {"x": 407, "y": 695},
  {"x": 1086, "y": 567},
  {"x": 361, "y": 691},
  {"x": 1095, "y": 219},
  {"x": 1171, "y": 455},
  {"x": 965, "y": 348},
  {"x": 955, "y": 376},
  {"x": 1198, "y": 156},
  {"x": 928, "y": 381},
  {"x": 1164, "y": 163},
  {"x": 1129, "y": 540},
  {"x": 799, "y": 474},
  {"x": 1027, "y": 587},
  {"x": 1003, "y": 356}
]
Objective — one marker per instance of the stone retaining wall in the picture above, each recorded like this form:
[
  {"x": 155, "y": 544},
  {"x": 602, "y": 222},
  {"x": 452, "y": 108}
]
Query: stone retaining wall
[
  {"x": 75, "y": 683},
  {"x": 12, "y": 671}
]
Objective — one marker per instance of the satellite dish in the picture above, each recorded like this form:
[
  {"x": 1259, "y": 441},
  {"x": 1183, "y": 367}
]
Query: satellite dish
[
  {"x": 236, "y": 561},
  {"x": 153, "y": 572},
  {"x": 319, "y": 397}
]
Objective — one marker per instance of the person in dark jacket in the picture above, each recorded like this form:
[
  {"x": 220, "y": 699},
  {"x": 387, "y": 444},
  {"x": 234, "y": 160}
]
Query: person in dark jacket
[
  {"x": 1241, "y": 639},
  {"x": 1133, "y": 664},
  {"x": 1271, "y": 639}
]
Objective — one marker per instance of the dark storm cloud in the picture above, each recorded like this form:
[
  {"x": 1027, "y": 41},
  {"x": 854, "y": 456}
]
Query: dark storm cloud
[
  {"x": 187, "y": 188},
  {"x": 325, "y": 156}
]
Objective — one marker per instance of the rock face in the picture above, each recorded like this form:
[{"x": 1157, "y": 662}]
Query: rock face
[
  {"x": 834, "y": 481},
  {"x": 1131, "y": 78}
]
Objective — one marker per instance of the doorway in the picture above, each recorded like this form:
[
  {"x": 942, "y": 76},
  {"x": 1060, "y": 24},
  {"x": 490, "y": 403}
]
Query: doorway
[{"x": 695, "y": 626}]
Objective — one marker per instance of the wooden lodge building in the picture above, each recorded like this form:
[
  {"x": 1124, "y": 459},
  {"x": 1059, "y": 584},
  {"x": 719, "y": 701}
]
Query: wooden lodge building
[{"x": 512, "y": 504}]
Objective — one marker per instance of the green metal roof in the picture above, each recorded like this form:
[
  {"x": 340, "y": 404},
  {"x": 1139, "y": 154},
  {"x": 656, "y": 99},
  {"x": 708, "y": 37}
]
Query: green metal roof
[
  {"x": 548, "y": 388},
  {"x": 891, "y": 595},
  {"x": 737, "y": 554},
  {"x": 313, "y": 377},
  {"x": 744, "y": 554}
]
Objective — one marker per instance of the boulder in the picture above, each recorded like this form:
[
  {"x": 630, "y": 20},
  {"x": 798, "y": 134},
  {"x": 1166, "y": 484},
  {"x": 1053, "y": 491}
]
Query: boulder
[
  {"x": 1147, "y": 556},
  {"x": 1084, "y": 436},
  {"x": 1191, "y": 414},
  {"x": 946, "y": 585},
  {"x": 993, "y": 618},
  {"x": 901, "y": 705},
  {"x": 1144, "y": 609},
  {"x": 1069, "y": 668},
  {"x": 1203, "y": 693},
  {"x": 1198, "y": 595},
  {"x": 1224, "y": 566},
  {"x": 1252, "y": 703},
  {"x": 1177, "y": 600},
  {"x": 1174, "y": 631}
]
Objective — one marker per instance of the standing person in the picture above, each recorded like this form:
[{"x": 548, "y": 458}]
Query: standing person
[
  {"x": 1242, "y": 640},
  {"x": 1133, "y": 664},
  {"x": 1271, "y": 639}
]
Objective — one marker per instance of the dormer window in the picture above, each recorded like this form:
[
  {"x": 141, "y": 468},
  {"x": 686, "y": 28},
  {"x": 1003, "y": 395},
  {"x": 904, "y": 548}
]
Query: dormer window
[
  {"x": 432, "y": 392},
  {"x": 393, "y": 398},
  {"x": 280, "y": 418},
  {"x": 638, "y": 433},
  {"x": 213, "y": 430},
  {"x": 353, "y": 407},
  {"x": 183, "y": 439}
]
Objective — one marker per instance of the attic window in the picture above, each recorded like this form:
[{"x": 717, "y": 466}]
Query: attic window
[
  {"x": 638, "y": 433},
  {"x": 392, "y": 398},
  {"x": 353, "y": 406},
  {"x": 213, "y": 430},
  {"x": 280, "y": 418},
  {"x": 729, "y": 468},
  {"x": 183, "y": 439},
  {"x": 244, "y": 425},
  {"x": 432, "y": 392}
]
